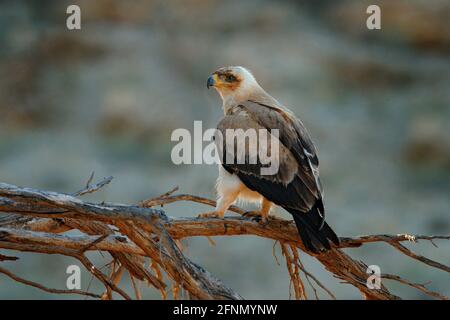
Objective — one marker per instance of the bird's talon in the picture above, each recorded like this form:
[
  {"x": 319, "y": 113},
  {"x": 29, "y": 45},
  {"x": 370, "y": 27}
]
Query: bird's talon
[
  {"x": 251, "y": 214},
  {"x": 256, "y": 219},
  {"x": 256, "y": 216}
]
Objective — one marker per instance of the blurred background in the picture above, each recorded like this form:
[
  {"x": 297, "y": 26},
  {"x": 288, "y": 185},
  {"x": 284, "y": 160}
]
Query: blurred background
[{"x": 106, "y": 98}]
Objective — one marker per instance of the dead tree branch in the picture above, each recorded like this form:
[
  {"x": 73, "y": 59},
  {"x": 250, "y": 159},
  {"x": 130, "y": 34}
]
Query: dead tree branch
[
  {"x": 41, "y": 287},
  {"x": 91, "y": 188},
  {"x": 31, "y": 220}
]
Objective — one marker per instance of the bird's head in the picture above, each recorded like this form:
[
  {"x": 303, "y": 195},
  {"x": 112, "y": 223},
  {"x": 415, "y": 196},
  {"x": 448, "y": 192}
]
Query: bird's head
[{"x": 232, "y": 82}]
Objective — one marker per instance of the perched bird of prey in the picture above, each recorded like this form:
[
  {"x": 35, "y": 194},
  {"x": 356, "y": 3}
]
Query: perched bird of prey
[{"x": 296, "y": 185}]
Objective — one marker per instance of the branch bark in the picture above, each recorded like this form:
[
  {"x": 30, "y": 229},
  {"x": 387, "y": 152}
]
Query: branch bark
[{"x": 30, "y": 220}]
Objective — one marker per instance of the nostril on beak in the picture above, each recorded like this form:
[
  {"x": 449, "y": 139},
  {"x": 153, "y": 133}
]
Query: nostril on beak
[{"x": 210, "y": 82}]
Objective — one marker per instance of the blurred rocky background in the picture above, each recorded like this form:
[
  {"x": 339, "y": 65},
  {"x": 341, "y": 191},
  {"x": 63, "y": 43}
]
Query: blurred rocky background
[{"x": 107, "y": 97}]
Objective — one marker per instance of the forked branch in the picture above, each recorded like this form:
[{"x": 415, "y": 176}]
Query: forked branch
[{"x": 31, "y": 220}]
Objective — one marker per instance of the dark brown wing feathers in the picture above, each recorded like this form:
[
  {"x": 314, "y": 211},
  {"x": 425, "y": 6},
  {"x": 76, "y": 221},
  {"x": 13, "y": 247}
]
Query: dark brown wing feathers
[{"x": 296, "y": 186}]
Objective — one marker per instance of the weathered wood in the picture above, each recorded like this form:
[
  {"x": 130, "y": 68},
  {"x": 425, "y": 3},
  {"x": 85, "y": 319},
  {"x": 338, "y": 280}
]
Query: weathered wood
[{"x": 149, "y": 232}]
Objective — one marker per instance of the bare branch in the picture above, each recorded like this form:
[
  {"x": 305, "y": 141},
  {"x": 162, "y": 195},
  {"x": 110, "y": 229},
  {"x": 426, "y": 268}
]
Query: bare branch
[
  {"x": 356, "y": 241},
  {"x": 160, "y": 201},
  {"x": 292, "y": 267},
  {"x": 100, "y": 276},
  {"x": 90, "y": 188},
  {"x": 78, "y": 243},
  {"x": 150, "y": 233},
  {"x": 93, "y": 243},
  {"x": 137, "y": 292},
  {"x": 41, "y": 287},
  {"x": 418, "y": 257},
  {"x": 7, "y": 258},
  {"x": 309, "y": 275},
  {"x": 196, "y": 280},
  {"x": 418, "y": 286},
  {"x": 50, "y": 204}
]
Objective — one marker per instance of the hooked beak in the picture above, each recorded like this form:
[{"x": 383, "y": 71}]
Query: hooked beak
[{"x": 210, "y": 82}]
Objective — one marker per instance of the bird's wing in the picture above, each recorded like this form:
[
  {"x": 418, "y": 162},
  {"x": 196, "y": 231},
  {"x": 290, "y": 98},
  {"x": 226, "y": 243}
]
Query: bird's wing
[
  {"x": 295, "y": 185},
  {"x": 294, "y": 136}
]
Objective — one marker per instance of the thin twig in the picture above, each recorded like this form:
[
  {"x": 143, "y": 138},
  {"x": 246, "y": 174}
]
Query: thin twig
[
  {"x": 137, "y": 293},
  {"x": 211, "y": 241},
  {"x": 8, "y": 258},
  {"x": 185, "y": 197},
  {"x": 41, "y": 287},
  {"x": 356, "y": 241},
  {"x": 295, "y": 260},
  {"x": 418, "y": 286},
  {"x": 100, "y": 276},
  {"x": 274, "y": 252},
  {"x": 309, "y": 275},
  {"x": 292, "y": 268},
  {"x": 418, "y": 257},
  {"x": 93, "y": 243},
  {"x": 91, "y": 188},
  {"x": 302, "y": 268},
  {"x": 159, "y": 199}
]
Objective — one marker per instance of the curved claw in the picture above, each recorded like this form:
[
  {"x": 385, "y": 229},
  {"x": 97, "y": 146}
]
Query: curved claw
[
  {"x": 251, "y": 214},
  {"x": 256, "y": 216},
  {"x": 263, "y": 221}
]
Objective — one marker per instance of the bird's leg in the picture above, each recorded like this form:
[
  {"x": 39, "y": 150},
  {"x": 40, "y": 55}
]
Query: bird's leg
[
  {"x": 265, "y": 210},
  {"x": 222, "y": 205},
  {"x": 261, "y": 216}
]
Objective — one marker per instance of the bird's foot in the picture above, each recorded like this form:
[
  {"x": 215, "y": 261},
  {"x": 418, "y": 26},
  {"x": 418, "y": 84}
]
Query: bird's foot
[
  {"x": 210, "y": 214},
  {"x": 256, "y": 216}
]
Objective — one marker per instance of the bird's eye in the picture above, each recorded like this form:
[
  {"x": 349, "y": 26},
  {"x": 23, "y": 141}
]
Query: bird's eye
[{"x": 230, "y": 78}]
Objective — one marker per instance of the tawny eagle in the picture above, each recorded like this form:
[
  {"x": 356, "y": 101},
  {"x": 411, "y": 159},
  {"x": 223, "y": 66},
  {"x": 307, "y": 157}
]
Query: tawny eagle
[{"x": 296, "y": 185}]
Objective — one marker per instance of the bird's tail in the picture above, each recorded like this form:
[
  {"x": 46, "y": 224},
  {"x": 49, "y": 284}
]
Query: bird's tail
[{"x": 314, "y": 231}]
